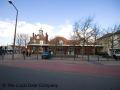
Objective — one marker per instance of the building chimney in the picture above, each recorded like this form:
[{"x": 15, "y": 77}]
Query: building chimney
[
  {"x": 46, "y": 38},
  {"x": 33, "y": 35}
]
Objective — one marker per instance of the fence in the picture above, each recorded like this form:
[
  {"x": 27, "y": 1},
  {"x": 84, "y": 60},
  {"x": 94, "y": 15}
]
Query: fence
[{"x": 57, "y": 57}]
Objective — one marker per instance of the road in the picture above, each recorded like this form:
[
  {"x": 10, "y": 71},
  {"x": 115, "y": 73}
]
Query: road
[{"x": 57, "y": 75}]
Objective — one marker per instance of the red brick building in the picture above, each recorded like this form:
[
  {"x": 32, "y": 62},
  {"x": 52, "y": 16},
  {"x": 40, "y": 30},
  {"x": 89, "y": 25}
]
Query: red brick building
[
  {"x": 58, "y": 45},
  {"x": 38, "y": 42}
]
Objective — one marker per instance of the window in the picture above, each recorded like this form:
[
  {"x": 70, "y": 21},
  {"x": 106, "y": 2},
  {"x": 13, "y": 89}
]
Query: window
[
  {"x": 61, "y": 42},
  {"x": 34, "y": 41},
  {"x": 37, "y": 37},
  {"x": 41, "y": 42}
]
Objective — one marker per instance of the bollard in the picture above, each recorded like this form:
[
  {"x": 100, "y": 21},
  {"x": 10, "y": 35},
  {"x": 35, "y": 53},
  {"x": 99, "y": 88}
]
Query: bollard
[
  {"x": 98, "y": 58},
  {"x": 88, "y": 58}
]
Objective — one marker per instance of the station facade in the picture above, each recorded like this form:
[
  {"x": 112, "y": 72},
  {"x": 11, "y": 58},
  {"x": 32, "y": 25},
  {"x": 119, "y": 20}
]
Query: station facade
[{"x": 59, "y": 45}]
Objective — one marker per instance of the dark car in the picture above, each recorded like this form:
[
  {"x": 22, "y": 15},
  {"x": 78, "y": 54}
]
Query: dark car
[{"x": 46, "y": 55}]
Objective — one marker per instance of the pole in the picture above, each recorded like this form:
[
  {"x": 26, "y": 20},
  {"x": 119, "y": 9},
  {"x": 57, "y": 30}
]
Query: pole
[
  {"x": 15, "y": 29},
  {"x": 14, "y": 36}
]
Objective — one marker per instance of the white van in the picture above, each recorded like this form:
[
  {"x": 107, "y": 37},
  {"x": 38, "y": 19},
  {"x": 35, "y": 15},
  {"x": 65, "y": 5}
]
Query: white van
[{"x": 115, "y": 53}]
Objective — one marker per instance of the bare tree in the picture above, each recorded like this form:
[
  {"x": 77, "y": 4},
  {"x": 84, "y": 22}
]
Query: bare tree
[
  {"x": 19, "y": 39},
  {"x": 83, "y": 31},
  {"x": 22, "y": 39},
  {"x": 95, "y": 35},
  {"x": 74, "y": 38},
  {"x": 55, "y": 42},
  {"x": 25, "y": 39}
]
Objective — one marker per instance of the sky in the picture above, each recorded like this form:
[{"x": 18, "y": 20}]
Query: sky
[{"x": 56, "y": 17}]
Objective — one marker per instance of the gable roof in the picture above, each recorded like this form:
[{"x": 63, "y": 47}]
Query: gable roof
[
  {"x": 106, "y": 36},
  {"x": 57, "y": 39},
  {"x": 117, "y": 32},
  {"x": 66, "y": 41},
  {"x": 109, "y": 34}
]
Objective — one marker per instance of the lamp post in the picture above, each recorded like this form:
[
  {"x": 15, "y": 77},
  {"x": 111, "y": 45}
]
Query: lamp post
[{"x": 15, "y": 28}]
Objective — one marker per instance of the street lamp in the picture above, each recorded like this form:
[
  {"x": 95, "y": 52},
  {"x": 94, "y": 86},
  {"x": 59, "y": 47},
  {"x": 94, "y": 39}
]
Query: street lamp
[{"x": 15, "y": 28}]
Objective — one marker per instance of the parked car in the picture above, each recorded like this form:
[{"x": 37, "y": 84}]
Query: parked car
[
  {"x": 46, "y": 55},
  {"x": 117, "y": 55}
]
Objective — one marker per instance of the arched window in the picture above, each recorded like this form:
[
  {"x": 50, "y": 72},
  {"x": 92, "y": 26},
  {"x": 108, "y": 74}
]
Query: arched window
[{"x": 61, "y": 42}]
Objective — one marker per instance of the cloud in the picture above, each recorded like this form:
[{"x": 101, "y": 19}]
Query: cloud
[
  {"x": 7, "y": 30},
  {"x": 64, "y": 30}
]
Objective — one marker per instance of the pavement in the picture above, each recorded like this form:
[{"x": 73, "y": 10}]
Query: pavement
[
  {"x": 58, "y": 74},
  {"x": 66, "y": 66}
]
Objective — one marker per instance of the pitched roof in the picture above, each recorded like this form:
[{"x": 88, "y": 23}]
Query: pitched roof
[
  {"x": 56, "y": 40},
  {"x": 109, "y": 34},
  {"x": 106, "y": 35},
  {"x": 117, "y": 32},
  {"x": 66, "y": 41}
]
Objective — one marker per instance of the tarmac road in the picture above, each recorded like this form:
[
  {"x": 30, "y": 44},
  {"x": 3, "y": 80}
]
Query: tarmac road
[{"x": 17, "y": 78}]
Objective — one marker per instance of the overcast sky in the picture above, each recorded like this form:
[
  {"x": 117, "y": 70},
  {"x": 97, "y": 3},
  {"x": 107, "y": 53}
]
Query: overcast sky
[{"x": 56, "y": 17}]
